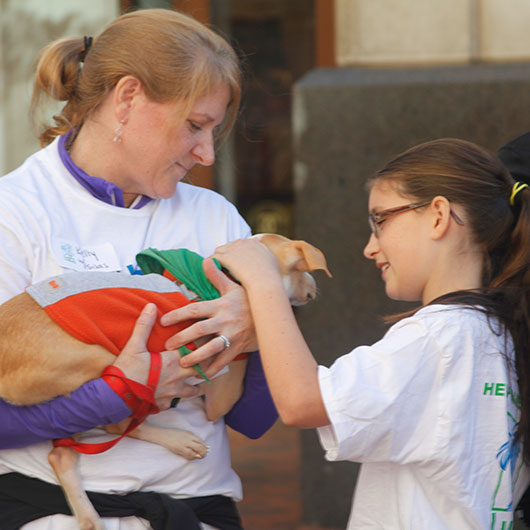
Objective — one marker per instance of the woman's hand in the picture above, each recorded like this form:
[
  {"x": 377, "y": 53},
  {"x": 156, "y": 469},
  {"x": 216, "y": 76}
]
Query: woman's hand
[
  {"x": 135, "y": 361},
  {"x": 228, "y": 316}
]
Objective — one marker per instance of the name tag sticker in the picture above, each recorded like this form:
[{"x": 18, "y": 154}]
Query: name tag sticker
[{"x": 80, "y": 258}]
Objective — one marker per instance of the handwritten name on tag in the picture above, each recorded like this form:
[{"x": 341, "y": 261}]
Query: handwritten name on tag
[{"x": 81, "y": 258}]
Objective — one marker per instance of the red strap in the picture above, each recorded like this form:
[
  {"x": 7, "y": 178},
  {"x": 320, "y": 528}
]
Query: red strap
[
  {"x": 95, "y": 448},
  {"x": 140, "y": 398},
  {"x": 114, "y": 377}
]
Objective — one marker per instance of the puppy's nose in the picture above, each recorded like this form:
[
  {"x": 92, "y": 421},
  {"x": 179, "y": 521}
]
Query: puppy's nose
[{"x": 310, "y": 296}]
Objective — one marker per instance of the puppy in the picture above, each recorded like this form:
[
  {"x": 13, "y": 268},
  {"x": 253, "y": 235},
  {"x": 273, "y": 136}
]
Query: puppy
[{"x": 25, "y": 324}]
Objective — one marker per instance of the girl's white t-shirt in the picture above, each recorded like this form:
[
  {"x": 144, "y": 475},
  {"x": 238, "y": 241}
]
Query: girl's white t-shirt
[
  {"x": 431, "y": 412},
  {"x": 49, "y": 224}
]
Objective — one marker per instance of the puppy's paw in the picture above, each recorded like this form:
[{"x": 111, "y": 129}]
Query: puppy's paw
[
  {"x": 178, "y": 441},
  {"x": 185, "y": 444}
]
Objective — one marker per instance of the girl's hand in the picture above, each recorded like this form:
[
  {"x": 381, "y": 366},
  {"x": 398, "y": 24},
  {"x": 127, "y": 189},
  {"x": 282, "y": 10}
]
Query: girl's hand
[
  {"x": 248, "y": 260},
  {"x": 228, "y": 315}
]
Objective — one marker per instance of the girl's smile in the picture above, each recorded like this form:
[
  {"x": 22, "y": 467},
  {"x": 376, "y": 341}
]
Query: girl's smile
[
  {"x": 415, "y": 244},
  {"x": 396, "y": 250}
]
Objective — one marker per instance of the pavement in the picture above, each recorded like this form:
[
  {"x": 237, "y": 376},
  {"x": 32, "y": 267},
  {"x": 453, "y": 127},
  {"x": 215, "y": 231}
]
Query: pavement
[{"x": 270, "y": 471}]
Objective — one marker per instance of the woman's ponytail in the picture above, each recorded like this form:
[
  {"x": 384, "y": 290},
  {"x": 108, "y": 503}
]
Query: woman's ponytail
[{"x": 56, "y": 78}]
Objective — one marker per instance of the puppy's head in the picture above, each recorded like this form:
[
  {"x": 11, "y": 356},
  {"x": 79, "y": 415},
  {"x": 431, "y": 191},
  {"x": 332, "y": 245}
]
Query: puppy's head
[{"x": 296, "y": 259}]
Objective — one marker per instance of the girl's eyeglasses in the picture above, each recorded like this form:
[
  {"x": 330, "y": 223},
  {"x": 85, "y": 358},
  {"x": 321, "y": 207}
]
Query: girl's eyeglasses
[{"x": 375, "y": 219}]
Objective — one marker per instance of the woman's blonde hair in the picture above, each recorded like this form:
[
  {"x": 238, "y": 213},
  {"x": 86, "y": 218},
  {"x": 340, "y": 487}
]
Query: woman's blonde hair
[{"x": 175, "y": 57}]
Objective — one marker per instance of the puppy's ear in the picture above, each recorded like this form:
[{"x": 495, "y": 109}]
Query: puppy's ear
[{"x": 310, "y": 258}]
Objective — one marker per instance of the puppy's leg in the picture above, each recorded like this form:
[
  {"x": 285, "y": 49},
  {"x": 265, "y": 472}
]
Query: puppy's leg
[
  {"x": 64, "y": 462},
  {"x": 224, "y": 391},
  {"x": 178, "y": 441}
]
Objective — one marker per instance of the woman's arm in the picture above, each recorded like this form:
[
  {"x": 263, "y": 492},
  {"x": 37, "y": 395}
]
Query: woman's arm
[
  {"x": 87, "y": 407},
  {"x": 254, "y": 413},
  {"x": 95, "y": 403}
]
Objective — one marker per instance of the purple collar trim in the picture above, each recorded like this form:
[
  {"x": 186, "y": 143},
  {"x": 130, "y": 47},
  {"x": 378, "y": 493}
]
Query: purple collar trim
[{"x": 98, "y": 187}]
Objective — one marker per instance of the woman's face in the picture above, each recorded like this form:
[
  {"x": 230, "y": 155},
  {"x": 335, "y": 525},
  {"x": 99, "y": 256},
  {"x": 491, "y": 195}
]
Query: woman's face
[
  {"x": 158, "y": 151},
  {"x": 401, "y": 248}
]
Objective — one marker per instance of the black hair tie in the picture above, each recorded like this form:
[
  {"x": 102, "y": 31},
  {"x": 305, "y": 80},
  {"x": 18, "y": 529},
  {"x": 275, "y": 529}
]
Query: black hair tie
[{"x": 88, "y": 45}]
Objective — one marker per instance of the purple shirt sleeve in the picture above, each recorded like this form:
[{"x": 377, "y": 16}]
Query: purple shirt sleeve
[
  {"x": 93, "y": 404},
  {"x": 254, "y": 413}
]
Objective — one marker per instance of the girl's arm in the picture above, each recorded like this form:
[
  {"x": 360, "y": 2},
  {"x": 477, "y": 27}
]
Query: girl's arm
[{"x": 290, "y": 368}]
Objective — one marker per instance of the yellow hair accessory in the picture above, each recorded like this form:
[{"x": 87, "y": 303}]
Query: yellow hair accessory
[{"x": 517, "y": 187}]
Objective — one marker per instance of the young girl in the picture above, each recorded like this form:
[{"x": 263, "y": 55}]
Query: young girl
[{"x": 437, "y": 411}]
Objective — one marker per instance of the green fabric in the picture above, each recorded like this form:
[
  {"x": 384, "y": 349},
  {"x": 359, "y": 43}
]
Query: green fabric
[{"x": 186, "y": 266}]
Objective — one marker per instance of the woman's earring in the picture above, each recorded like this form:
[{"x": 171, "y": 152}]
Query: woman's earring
[{"x": 118, "y": 132}]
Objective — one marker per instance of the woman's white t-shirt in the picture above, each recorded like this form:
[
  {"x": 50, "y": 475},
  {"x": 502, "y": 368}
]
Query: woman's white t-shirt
[{"x": 49, "y": 224}]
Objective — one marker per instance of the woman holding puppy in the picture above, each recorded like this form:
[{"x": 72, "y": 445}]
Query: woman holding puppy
[
  {"x": 145, "y": 101},
  {"x": 438, "y": 410}
]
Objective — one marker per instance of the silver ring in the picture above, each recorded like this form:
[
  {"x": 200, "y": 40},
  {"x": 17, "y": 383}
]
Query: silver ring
[{"x": 226, "y": 341}]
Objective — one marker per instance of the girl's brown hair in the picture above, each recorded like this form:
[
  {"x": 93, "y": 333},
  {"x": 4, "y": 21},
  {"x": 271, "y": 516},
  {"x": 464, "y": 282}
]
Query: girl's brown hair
[
  {"x": 475, "y": 179},
  {"x": 175, "y": 57}
]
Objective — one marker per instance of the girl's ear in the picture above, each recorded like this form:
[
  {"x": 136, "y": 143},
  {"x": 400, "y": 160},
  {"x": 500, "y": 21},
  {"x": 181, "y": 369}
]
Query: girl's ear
[{"x": 441, "y": 214}]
